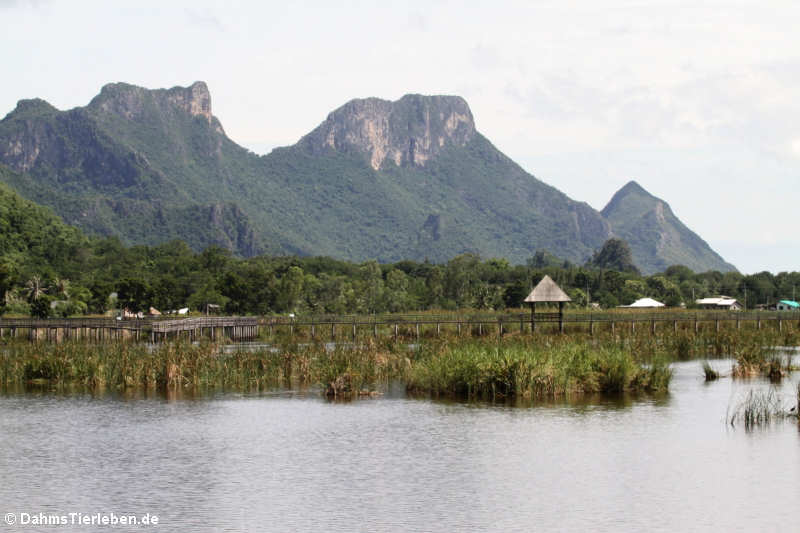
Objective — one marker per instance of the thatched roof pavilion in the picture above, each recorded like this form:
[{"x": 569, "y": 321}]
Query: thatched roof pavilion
[{"x": 546, "y": 291}]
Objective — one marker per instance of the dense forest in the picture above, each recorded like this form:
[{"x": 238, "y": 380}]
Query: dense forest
[{"x": 48, "y": 268}]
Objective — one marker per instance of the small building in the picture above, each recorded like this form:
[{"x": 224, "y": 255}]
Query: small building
[
  {"x": 724, "y": 303},
  {"x": 644, "y": 303},
  {"x": 787, "y": 305},
  {"x": 546, "y": 291}
]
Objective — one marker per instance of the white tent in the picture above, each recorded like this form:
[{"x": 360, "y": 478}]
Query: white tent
[{"x": 645, "y": 302}]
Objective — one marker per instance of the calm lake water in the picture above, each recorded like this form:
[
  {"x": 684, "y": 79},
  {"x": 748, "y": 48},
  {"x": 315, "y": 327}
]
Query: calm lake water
[{"x": 295, "y": 462}]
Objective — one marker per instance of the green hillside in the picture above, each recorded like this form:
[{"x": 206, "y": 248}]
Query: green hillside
[
  {"x": 656, "y": 237},
  {"x": 32, "y": 238},
  {"x": 467, "y": 199}
]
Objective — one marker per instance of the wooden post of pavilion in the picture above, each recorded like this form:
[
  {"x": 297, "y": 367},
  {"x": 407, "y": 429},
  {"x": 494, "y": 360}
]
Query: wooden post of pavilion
[{"x": 547, "y": 291}]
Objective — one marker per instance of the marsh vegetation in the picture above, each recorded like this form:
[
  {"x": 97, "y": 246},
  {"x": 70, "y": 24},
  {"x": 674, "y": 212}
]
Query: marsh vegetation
[{"x": 472, "y": 365}]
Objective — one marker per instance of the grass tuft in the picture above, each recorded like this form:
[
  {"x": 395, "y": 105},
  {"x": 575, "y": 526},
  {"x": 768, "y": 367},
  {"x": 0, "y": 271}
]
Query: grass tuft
[
  {"x": 758, "y": 408},
  {"x": 710, "y": 372}
]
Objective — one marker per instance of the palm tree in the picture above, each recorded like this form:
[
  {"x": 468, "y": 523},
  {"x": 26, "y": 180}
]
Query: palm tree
[
  {"x": 61, "y": 287},
  {"x": 34, "y": 288}
]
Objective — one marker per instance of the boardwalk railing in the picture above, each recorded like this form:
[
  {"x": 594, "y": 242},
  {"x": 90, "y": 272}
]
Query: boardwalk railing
[
  {"x": 100, "y": 329},
  {"x": 332, "y": 326},
  {"x": 474, "y": 318},
  {"x": 232, "y": 327},
  {"x": 503, "y": 322}
]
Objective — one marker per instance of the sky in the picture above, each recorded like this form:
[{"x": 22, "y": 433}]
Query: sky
[{"x": 699, "y": 102}]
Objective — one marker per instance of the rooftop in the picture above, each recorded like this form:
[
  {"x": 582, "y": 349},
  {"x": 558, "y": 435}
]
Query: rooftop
[
  {"x": 645, "y": 302},
  {"x": 547, "y": 291}
]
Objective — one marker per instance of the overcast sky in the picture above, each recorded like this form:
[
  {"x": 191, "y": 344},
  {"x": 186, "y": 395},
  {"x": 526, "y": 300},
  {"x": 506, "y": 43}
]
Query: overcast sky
[{"x": 697, "y": 101}]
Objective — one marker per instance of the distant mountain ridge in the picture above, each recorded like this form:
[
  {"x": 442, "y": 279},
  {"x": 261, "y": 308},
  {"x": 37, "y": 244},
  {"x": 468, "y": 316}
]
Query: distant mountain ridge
[
  {"x": 656, "y": 237},
  {"x": 410, "y": 179}
]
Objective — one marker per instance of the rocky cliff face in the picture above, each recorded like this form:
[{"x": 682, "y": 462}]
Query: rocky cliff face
[
  {"x": 409, "y": 131},
  {"x": 21, "y": 148},
  {"x": 137, "y": 103},
  {"x": 658, "y": 239}
]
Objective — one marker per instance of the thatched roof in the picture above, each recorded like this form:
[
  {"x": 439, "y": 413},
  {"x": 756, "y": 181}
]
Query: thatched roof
[{"x": 547, "y": 291}]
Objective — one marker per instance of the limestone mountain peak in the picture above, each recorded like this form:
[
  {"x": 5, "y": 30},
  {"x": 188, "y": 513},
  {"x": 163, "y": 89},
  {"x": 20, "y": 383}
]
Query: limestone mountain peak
[
  {"x": 406, "y": 132},
  {"x": 133, "y": 102},
  {"x": 657, "y": 237},
  {"x": 31, "y": 106}
]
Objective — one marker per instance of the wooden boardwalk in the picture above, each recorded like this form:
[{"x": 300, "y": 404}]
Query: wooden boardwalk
[
  {"x": 154, "y": 330},
  {"x": 396, "y": 326},
  {"x": 416, "y": 326},
  {"x": 234, "y": 328}
]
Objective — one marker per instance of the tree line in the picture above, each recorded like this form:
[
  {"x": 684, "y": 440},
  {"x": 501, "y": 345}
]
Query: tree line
[{"x": 94, "y": 276}]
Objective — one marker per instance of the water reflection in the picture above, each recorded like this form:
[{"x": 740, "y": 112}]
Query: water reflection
[{"x": 290, "y": 460}]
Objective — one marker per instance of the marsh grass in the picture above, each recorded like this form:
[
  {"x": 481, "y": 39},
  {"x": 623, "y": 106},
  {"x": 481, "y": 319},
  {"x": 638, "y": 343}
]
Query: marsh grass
[
  {"x": 554, "y": 366},
  {"x": 757, "y": 408},
  {"x": 514, "y": 364},
  {"x": 351, "y": 371},
  {"x": 755, "y": 351},
  {"x": 121, "y": 365},
  {"x": 340, "y": 372}
]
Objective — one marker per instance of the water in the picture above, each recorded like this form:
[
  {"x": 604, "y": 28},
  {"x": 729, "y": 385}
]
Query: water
[{"x": 296, "y": 462}]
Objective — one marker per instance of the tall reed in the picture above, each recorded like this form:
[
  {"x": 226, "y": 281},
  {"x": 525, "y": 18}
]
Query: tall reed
[
  {"x": 132, "y": 365},
  {"x": 518, "y": 368},
  {"x": 757, "y": 408}
]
